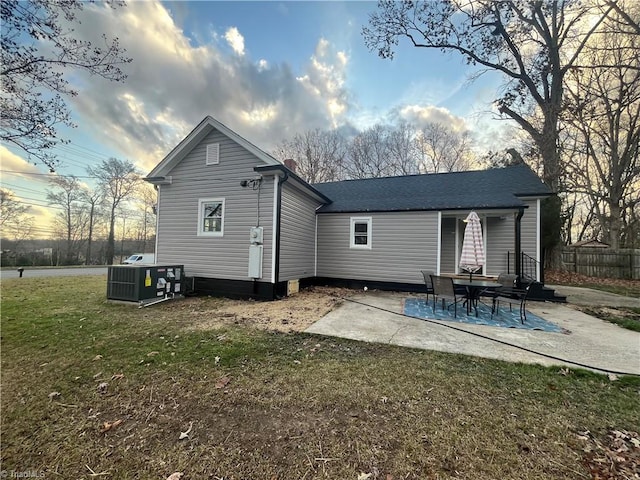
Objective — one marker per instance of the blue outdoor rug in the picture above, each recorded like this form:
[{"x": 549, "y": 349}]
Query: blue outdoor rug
[{"x": 417, "y": 307}]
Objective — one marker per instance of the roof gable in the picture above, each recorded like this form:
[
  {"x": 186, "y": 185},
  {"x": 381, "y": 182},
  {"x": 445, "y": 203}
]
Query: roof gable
[
  {"x": 489, "y": 189},
  {"x": 205, "y": 127}
]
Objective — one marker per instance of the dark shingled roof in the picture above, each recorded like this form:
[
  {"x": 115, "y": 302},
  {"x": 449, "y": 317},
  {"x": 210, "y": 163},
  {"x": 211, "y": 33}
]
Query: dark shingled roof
[{"x": 489, "y": 189}]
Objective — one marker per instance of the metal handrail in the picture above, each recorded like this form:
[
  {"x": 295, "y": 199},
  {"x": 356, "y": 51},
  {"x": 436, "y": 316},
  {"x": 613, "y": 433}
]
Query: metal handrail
[{"x": 528, "y": 266}]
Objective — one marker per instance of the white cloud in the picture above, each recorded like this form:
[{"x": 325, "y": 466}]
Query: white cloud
[
  {"x": 15, "y": 163},
  {"x": 235, "y": 40},
  {"x": 325, "y": 79},
  {"x": 423, "y": 114},
  {"x": 16, "y": 182},
  {"x": 172, "y": 85}
]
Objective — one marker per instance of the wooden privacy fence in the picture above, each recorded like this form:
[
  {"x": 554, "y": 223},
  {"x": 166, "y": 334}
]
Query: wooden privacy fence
[{"x": 603, "y": 262}]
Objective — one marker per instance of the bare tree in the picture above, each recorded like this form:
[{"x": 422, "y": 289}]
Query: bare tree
[
  {"x": 92, "y": 200},
  {"x": 117, "y": 180},
  {"x": 443, "y": 149},
  {"x": 403, "y": 151},
  {"x": 71, "y": 218},
  {"x": 145, "y": 206},
  {"x": 533, "y": 44},
  {"x": 626, "y": 22},
  {"x": 319, "y": 154},
  {"x": 15, "y": 220},
  {"x": 603, "y": 120},
  {"x": 369, "y": 155},
  {"x": 38, "y": 47}
]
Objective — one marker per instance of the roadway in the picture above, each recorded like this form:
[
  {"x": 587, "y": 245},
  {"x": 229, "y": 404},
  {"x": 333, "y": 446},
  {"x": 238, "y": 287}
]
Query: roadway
[{"x": 52, "y": 272}]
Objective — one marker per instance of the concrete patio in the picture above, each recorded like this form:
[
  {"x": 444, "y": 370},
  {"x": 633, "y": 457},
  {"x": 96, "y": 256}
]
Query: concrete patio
[{"x": 377, "y": 317}]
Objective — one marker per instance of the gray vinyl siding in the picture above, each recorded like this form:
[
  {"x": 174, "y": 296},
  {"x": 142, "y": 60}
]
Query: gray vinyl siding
[
  {"x": 297, "y": 234},
  {"x": 500, "y": 240},
  {"x": 223, "y": 257},
  {"x": 402, "y": 244},
  {"x": 448, "y": 246},
  {"x": 529, "y": 229}
]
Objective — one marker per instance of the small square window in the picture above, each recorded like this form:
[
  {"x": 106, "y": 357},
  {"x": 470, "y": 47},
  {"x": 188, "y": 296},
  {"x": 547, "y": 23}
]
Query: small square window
[
  {"x": 360, "y": 232},
  {"x": 211, "y": 217}
]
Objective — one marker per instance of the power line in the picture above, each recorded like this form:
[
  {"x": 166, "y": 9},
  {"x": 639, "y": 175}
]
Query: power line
[
  {"x": 37, "y": 204},
  {"x": 69, "y": 150},
  {"x": 14, "y": 172},
  {"x": 20, "y": 188},
  {"x": 90, "y": 150}
]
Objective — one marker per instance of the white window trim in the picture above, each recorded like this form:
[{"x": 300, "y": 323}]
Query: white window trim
[
  {"x": 201, "y": 203},
  {"x": 353, "y": 222},
  {"x": 213, "y": 154}
]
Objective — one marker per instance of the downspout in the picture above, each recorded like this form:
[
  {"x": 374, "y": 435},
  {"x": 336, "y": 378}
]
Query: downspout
[
  {"x": 439, "y": 249},
  {"x": 277, "y": 229},
  {"x": 518, "y": 241}
]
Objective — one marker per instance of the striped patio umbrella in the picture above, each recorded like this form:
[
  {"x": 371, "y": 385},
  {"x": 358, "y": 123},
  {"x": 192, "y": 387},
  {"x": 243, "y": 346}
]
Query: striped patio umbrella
[{"x": 472, "y": 258}]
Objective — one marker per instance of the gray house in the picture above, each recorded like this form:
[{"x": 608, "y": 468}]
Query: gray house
[{"x": 245, "y": 225}]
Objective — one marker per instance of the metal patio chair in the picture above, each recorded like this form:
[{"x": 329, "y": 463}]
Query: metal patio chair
[
  {"x": 443, "y": 289},
  {"x": 513, "y": 296},
  {"x": 426, "y": 274}
]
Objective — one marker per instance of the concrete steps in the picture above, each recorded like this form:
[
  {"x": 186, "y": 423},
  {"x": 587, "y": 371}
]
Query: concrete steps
[{"x": 538, "y": 292}]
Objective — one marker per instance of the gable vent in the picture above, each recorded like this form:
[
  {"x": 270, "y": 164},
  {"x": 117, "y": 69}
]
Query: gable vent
[{"x": 213, "y": 154}]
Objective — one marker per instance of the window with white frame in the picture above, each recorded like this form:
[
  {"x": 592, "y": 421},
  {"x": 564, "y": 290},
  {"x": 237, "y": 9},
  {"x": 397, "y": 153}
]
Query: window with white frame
[
  {"x": 360, "y": 232},
  {"x": 213, "y": 154},
  {"x": 211, "y": 217}
]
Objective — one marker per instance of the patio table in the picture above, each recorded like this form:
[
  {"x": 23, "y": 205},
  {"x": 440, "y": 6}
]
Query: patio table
[{"x": 473, "y": 290}]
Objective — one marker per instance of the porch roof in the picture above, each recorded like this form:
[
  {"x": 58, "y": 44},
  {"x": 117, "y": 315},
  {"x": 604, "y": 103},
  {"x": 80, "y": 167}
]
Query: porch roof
[{"x": 481, "y": 189}]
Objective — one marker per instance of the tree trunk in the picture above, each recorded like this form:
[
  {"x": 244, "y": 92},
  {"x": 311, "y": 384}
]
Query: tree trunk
[
  {"x": 87, "y": 260},
  {"x": 111, "y": 239},
  {"x": 551, "y": 221},
  {"x": 615, "y": 225}
]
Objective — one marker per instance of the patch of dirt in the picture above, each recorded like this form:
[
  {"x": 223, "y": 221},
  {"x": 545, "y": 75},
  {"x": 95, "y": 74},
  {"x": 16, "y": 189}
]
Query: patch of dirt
[
  {"x": 611, "y": 313},
  {"x": 290, "y": 314},
  {"x": 615, "y": 456}
]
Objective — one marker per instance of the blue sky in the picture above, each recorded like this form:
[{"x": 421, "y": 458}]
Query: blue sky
[{"x": 267, "y": 70}]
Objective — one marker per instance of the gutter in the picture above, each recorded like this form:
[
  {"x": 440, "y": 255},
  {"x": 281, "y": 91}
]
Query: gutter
[{"x": 168, "y": 180}]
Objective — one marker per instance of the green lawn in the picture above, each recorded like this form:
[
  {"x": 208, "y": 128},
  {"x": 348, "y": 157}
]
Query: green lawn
[{"x": 267, "y": 405}]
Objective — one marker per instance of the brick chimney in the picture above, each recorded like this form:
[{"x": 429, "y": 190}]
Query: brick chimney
[{"x": 291, "y": 164}]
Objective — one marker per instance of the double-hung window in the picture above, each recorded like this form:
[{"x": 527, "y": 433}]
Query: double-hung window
[
  {"x": 211, "y": 217},
  {"x": 360, "y": 233}
]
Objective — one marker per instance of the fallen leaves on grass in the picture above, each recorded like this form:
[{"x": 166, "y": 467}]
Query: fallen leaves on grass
[
  {"x": 53, "y": 395},
  {"x": 175, "y": 476},
  {"x": 102, "y": 387},
  {"x": 572, "y": 278},
  {"x": 117, "y": 376},
  {"x": 616, "y": 455},
  {"x": 97, "y": 357},
  {"x": 106, "y": 426},
  {"x": 222, "y": 382},
  {"x": 364, "y": 476}
]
